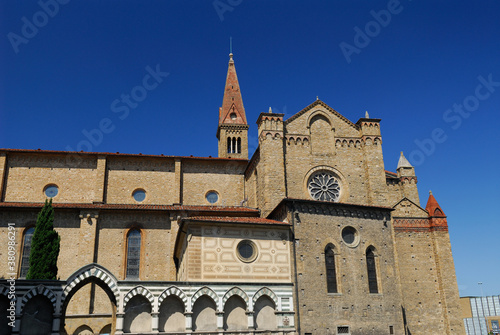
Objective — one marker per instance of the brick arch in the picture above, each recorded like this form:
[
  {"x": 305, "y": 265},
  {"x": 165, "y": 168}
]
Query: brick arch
[
  {"x": 371, "y": 246},
  {"x": 205, "y": 291},
  {"x": 139, "y": 290},
  {"x": 235, "y": 291},
  {"x": 319, "y": 113},
  {"x": 82, "y": 276},
  {"x": 175, "y": 291},
  {"x": 39, "y": 290},
  {"x": 267, "y": 292},
  {"x": 331, "y": 243}
]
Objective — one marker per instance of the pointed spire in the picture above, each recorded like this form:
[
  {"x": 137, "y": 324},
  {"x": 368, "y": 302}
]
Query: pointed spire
[
  {"x": 367, "y": 116},
  {"x": 403, "y": 162},
  {"x": 270, "y": 110},
  {"x": 232, "y": 110},
  {"x": 433, "y": 207}
]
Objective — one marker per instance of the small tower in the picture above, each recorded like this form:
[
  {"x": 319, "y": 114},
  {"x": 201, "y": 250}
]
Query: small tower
[
  {"x": 407, "y": 179},
  {"x": 232, "y": 131}
]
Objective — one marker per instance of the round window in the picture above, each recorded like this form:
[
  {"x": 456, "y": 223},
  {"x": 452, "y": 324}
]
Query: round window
[
  {"x": 51, "y": 191},
  {"x": 139, "y": 195},
  {"x": 350, "y": 236},
  {"x": 324, "y": 186},
  {"x": 233, "y": 116},
  {"x": 212, "y": 197},
  {"x": 247, "y": 251}
]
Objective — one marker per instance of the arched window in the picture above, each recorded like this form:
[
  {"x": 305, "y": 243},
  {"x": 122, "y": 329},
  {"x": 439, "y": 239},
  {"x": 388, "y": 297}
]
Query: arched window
[
  {"x": 238, "y": 147},
  {"x": 372, "y": 271},
  {"x": 331, "y": 274},
  {"x": 25, "y": 258},
  {"x": 133, "y": 253},
  {"x": 229, "y": 145},
  {"x": 234, "y": 145}
]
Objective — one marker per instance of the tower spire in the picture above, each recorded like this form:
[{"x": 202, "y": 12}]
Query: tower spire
[
  {"x": 232, "y": 111},
  {"x": 232, "y": 131}
]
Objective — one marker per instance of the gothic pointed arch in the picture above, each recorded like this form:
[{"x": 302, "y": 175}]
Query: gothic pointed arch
[
  {"x": 265, "y": 291},
  {"x": 235, "y": 291},
  {"x": 139, "y": 290},
  {"x": 91, "y": 272},
  {"x": 39, "y": 290},
  {"x": 175, "y": 291},
  {"x": 208, "y": 292}
]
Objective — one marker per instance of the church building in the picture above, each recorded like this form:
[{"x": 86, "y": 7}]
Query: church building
[{"x": 310, "y": 235}]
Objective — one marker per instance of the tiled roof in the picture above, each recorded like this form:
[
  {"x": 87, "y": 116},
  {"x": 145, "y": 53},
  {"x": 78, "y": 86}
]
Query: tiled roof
[
  {"x": 133, "y": 207},
  {"x": 29, "y": 151},
  {"x": 235, "y": 220},
  {"x": 392, "y": 174}
]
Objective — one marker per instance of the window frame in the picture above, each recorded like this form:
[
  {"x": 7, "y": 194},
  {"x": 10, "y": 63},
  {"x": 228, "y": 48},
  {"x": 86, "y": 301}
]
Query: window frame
[
  {"x": 22, "y": 253},
  {"x": 372, "y": 270},
  {"x": 127, "y": 276},
  {"x": 333, "y": 268}
]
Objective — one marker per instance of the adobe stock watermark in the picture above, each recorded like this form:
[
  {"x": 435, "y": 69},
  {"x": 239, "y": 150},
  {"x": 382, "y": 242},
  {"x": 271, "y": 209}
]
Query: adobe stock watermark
[
  {"x": 121, "y": 107},
  {"x": 11, "y": 274},
  {"x": 222, "y": 6},
  {"x": 363, "y": 37},
  {"x": 30, "y": 28},
  {"x": 454, "y": 118}
]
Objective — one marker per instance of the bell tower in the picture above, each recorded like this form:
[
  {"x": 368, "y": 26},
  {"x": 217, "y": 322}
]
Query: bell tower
[{"x": 232, "y": 131}]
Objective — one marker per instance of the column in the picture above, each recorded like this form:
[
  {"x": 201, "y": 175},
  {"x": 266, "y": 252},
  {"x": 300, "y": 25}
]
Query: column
[
  {"x": 189, "y": 322},
  {"x": 251, "y": 324},
  {"x": 55, "y": 324},
  {"x": 119, "y": 323},
  {"x": 220, "y": 320},
  {"x": 154, "y": 322}
]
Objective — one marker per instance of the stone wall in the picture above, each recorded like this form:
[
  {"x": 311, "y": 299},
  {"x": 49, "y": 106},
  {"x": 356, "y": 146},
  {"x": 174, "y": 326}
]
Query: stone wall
[{"x": 319, "y": 225}]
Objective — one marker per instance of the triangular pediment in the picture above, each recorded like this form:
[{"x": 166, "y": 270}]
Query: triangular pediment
[
  {"x": 233, "y": 115},
  {"x": 299, "y": 122},
  {"x": 407, "y": 208}
]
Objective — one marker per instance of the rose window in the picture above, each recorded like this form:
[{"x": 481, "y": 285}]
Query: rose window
[{"x": 324, "y": 186}]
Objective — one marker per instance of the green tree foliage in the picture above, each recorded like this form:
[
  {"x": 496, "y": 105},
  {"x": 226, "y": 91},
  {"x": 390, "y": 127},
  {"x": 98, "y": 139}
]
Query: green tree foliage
[{"x": 44, "y": 246}]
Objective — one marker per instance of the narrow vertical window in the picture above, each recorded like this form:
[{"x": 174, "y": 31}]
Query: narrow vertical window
[
  {"x": 133, "y": 254},
  {"x": 372, "y": 271},
  {"x": 25, "y": 258},
  {"x": 239, "y": 145},
  {"x": 331, "y": 275},
  {"x": 229, "y": 145},
  {"x": 234, "y": 145}
]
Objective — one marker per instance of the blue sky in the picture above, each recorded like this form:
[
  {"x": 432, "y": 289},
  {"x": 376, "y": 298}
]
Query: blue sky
[{"x": 410, "y": 63}]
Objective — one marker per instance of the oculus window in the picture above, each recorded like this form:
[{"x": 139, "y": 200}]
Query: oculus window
[
  {"x": 247, "y": 251},
  {"x": 324, "y": 186},
  {"x": 212, "y": 197},
  {"x": 139, "y": 195},
  {"x": 51, "y": 191}
]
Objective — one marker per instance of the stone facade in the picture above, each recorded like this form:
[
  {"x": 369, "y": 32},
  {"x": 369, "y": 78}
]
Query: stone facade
[{"x": 311, "y": 235}]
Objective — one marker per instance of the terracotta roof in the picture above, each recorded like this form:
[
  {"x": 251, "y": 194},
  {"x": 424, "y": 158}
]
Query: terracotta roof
[
  {"x": 133, "y": 207},
  {"x": 433, "y": 207},
  {"x": 235, "y": 220},
  {"x": 232, "y": 101},
  {"x": 117, "y": 154},
  {"x": 319, "y": 102},
  {"x": 390, "y": 172}
]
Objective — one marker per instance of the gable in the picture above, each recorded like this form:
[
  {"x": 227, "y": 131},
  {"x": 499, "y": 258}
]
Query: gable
[
  {"x": 300, "y": 123},
  {"x": 407, "y": 208}
]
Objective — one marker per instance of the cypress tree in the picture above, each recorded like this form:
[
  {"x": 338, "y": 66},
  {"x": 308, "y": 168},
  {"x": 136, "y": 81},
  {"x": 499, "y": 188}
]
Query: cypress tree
[{"x": 44, "y": 246}]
